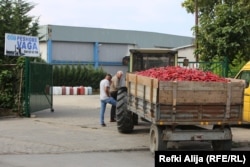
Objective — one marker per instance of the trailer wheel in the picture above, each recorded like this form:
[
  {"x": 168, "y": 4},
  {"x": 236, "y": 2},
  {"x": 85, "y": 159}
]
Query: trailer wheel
[
  {"x": 223, "y": 145},
  {"x": 135, "y": 119},
  {"x": 156, "y": 140},
  {"x": 124, "y": 117}
]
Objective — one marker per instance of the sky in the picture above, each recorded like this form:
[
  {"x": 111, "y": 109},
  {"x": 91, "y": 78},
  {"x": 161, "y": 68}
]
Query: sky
[{"x": 161, "y": 16}]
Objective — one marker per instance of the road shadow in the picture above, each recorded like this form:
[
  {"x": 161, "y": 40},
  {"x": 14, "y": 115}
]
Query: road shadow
[
  {"x": 141, "y": 131},
  {"x": 190, "y": 145},
  {"x": 246, "y": 126},
  {"x": 142, "y": 128}
]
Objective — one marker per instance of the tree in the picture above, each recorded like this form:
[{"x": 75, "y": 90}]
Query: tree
[
  {"x": 14, "y": 19},
  {"x": 223, "y": 29}
]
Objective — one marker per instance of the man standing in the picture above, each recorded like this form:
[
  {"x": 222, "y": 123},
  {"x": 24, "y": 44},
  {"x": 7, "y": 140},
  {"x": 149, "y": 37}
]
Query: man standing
[
  {"x": 116, "y": 83},
  {"x": 105, "y": 97}
]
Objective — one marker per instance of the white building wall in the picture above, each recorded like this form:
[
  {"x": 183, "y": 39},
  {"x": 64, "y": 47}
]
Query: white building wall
[
  {"x": 187, "y": 52},
  {"x": 43, "y": 50}
]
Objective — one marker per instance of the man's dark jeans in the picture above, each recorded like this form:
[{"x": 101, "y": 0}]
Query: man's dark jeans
[{"x": 113, "y": 108}]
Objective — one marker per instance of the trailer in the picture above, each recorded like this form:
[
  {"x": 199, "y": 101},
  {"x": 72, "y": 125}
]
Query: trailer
[{"x": 178, "y": 110}]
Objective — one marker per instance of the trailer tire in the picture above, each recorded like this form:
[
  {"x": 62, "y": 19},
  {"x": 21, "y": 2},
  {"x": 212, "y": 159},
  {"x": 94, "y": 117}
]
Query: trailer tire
[
  {"x": 223, "y": 145},
  {"x": 135, "y": 119},
  {"x": 124, "y": 117},
  {"x": 156, "y": 142}
]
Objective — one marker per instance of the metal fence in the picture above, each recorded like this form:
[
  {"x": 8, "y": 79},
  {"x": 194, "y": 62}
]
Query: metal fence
[
  {"x": 38, "y": 87},
  {"x": 220, "y": 68}
]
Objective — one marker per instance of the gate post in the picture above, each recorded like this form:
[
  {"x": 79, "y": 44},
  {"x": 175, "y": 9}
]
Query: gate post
[
  {"x": 27, "y": 88},
  {"x": 226, "y": 66}
]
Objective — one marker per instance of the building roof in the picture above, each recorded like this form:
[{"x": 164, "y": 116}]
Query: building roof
[
  {"x": 101, "y": 35},
  {"x": 152, "y": 50},
  {"x": 184, "y": 47}
]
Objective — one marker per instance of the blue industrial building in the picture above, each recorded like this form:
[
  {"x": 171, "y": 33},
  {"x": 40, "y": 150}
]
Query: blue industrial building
[{"x": 98, "y": 46}]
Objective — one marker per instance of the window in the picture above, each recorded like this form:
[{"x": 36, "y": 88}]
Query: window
[{"x": 244, "y": 75}]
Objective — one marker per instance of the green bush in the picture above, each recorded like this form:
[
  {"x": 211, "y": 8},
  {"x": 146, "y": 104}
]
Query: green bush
[
  {"x": 77, "y": 75},
  {"x": 9, "y": 84}
]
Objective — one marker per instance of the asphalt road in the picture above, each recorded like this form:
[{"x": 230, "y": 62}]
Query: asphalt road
[{"x": 72, "y": 136}]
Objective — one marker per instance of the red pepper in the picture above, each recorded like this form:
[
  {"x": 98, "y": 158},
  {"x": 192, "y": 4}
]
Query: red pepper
[{"x": 171, "y": 73}]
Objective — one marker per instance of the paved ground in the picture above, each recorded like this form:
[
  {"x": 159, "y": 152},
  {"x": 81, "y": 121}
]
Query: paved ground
[{"x": 74, "y": 128}]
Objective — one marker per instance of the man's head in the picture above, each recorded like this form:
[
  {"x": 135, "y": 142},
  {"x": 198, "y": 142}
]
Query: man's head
[
  {"x": 119, "y": 74},
  {"x": 108, "y": 77}
]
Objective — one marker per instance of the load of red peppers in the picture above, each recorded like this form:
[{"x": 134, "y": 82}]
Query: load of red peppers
[{"x": 177, "y": 73}]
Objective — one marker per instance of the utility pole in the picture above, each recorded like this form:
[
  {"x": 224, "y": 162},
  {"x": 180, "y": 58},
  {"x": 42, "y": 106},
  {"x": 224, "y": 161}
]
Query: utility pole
[{"x": 196, "y": 29}]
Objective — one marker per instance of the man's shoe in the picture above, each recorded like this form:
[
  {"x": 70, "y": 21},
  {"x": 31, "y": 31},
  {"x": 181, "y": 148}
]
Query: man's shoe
[
  {"x": 112, "y": 120},
  {"x": 103, "y": 125}
]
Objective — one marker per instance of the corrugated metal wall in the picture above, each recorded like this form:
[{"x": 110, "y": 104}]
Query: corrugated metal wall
[
  {"x": 72, "y": 51},
  {"x": 113, "y": 52}
]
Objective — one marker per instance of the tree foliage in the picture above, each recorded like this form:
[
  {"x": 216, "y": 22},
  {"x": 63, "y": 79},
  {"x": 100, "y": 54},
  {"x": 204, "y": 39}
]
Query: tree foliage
[
  {"x": 223, "y": 31},
  {"x": 15, "y": 18}
]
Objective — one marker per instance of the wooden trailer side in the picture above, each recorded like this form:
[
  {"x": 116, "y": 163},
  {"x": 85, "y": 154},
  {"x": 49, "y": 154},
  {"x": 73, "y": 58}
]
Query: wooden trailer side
[{"x": 185, "y": 102}]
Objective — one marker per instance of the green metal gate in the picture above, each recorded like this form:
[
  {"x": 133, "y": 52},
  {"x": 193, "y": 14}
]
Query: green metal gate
[{"x": 38, "y": 87}]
